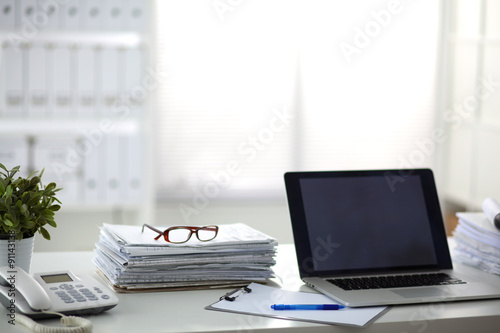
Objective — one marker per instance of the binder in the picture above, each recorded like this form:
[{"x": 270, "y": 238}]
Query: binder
[
  {"x": 13, "y": 81},
  {"x": 133, "y": 97},
  {"x": 85, "y": 81},
  {"x": 7, "y": 14},
  {"x": 133, "y": 150},
  {"x": 109, "y": 80},
  {"x": 92, "y": 15},
  {"x": 25, "y": 16},
  {"x": 14, "y": 151},
  {"x": 93, "y": 171},
  {"x": 115, "y": 165},
  {"x": 135, "y": 14},
  {"x": 47, "y": 17},
  {"x": 70, "y": 15},
  {"x": 61, "y": 85},
  {"x": 37, "y": 82},
  {"x": 62, "y": 162},
  {"x": 112, "y": 15}
]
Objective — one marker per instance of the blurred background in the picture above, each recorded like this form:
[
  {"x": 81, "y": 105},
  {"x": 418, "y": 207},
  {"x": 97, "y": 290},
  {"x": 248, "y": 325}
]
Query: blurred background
[{"x": 189, "y": 112}]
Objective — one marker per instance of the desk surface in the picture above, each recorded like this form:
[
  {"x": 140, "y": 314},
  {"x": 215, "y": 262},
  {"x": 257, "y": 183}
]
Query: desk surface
[{"x": 183, "y": 311}]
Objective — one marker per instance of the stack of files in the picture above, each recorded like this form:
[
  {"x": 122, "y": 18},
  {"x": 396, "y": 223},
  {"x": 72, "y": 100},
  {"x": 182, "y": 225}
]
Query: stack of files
[
  {"x": 477, "y": 242},
  {"x": 133, "y": 260}
]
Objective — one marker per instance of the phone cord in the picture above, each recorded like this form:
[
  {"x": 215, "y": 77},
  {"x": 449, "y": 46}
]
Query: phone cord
[{"x": 72, "y": 324}]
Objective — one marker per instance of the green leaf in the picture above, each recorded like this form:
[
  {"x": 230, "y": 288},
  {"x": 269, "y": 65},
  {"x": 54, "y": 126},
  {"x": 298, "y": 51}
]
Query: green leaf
[
  {"x": 8, "y": 222},
  {"x": 47, "y": 213},
  {"x": 52, "y": 223},
  {"x": 55, "y": 208},
  {"x": 45, "y": 233}
]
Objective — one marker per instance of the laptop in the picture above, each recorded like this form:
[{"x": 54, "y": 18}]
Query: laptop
[{"x": 377, "y": 237}]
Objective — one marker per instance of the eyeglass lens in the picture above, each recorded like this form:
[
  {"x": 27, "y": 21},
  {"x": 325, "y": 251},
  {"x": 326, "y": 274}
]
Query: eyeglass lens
[{"x": 181, "y": 235}]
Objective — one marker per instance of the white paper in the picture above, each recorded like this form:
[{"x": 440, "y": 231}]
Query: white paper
[{"x": 259, "y": 300}]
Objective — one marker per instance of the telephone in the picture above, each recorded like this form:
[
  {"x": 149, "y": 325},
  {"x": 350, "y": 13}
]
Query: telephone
[{"x": 44, "y": 295}]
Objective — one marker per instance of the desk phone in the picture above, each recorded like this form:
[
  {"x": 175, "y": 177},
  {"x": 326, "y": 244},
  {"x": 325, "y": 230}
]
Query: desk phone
[{"x": 60, "y": 291}]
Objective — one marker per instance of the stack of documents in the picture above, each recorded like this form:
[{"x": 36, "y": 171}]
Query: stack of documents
[
  {"x": 478, "y": 242},
  {"x": 134, "y": 260}
]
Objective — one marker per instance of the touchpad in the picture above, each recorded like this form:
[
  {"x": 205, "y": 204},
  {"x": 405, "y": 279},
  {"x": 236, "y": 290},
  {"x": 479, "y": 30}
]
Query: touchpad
[{"x": 421, "y": 292}]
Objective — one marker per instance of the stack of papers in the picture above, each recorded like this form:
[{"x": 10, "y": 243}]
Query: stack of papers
[
  {"x": 133, "y": 260},
  {"x": 478, "y": 242}
]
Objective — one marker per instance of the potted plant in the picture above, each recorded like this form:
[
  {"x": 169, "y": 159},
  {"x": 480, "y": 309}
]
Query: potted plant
[{"x": 26, "y": 207}]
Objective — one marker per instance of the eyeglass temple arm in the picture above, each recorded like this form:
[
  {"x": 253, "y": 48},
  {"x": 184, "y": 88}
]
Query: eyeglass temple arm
[{"x": 154, "y": 229}]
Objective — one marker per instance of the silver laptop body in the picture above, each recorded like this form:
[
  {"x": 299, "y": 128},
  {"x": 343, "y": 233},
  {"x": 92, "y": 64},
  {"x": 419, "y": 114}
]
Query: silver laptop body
[{"x": 372, "y": 225}]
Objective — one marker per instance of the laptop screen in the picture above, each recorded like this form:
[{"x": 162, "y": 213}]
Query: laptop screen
[{"x": 366, "y": 221}]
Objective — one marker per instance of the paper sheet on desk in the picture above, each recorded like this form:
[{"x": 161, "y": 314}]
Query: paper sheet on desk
[{"x": 259, "y": 301}]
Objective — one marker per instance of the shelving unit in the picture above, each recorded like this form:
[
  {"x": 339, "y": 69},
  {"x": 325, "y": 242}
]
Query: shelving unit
[{"x": 75, "y": 85}]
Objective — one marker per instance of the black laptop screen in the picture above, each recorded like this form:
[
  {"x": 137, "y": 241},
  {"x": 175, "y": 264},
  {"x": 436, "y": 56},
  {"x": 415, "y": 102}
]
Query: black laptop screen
[{"x": 360, "y": 222}]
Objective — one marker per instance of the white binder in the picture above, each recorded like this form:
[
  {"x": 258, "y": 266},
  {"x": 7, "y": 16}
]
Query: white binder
[
  {"x": 14, "y": 101},
  {"x": 61, "y": 85},
  {"x": 25, "y": 14},
  {"x": 94, "y": 173},
  {"x": 86, "y": 81},
  {"x": 135, "y": 15},
  {"x": 48, "y": 14},
  {"x": 37, "y": 82},
  {"x": 14, "y": 151},
  {"x": 7, "y": 14},
  {"x": 112, "y": 15},
  {"x": 114, "y": 168},
  {"x": 133, "y": 94},
  {"x": 135, "y": 157},
  {"x": 70, "y": 15},
  {"x": 109, "y": 80},
  {"x": 92, "y": 15},
  {"x": 62, "y": 162}
]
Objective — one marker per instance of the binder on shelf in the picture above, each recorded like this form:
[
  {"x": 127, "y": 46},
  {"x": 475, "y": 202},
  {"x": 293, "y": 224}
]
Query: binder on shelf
[
  {"x": 133, "y": 97},
  {"x": 14, "y": 151},
  {"x": 92, "y": 15},
  {"x": 62, "y": 162},
  {"x": 25, "y": 15},
  {"x": 7, "y": 14},
  {"x": 93, "y": 175},
  {"x": 135, "y": 15},
  {"x": 14, "y": 102},
  {"x": 61, "y": 85},
  {"x": 135, "y": 176},
  {"x": 48, "y": 14},
  {"x": 114, "y": 167},
  {"x": 70, "y": 15},
  {"x": 112, "y": 15},
  {"x": 86, "y": 81},
  {"x": 37, "y": 82},
  {"x": 109, "y": 81}
]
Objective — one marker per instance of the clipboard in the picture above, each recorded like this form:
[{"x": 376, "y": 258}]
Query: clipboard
[{"x": 259, "y": 299}]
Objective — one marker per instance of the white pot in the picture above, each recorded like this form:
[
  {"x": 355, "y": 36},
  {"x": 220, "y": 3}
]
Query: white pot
[{"x": 14, "y": 252}]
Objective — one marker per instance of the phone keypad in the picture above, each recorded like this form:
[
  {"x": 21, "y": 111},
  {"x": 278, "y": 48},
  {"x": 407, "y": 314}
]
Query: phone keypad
[{"x": 79, "y": 293}]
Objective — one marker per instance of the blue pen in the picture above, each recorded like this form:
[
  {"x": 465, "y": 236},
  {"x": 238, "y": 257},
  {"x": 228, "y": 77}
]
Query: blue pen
[{"x": 307, "y": 307}]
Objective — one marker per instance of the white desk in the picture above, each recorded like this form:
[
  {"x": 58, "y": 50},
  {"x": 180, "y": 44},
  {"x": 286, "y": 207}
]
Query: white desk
[{"x": 183, "y": 311}]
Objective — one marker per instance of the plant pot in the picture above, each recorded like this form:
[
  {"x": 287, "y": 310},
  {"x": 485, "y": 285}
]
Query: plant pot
[{"x": 14, "y": 252}]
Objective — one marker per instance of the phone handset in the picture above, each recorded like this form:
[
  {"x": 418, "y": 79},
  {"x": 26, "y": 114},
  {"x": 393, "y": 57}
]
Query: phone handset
[{"x": 25, "y": 285}]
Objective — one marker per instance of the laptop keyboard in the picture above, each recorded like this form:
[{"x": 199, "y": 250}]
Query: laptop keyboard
[{"x": 395, "y": 281}]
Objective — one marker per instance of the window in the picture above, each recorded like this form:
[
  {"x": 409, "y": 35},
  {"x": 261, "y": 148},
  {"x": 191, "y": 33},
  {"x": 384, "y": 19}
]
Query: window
[{"x": 257, "y": 88}]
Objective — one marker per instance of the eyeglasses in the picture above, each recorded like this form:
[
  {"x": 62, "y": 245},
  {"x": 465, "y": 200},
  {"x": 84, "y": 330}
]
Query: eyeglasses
[{"x": 181, "y": 234}]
